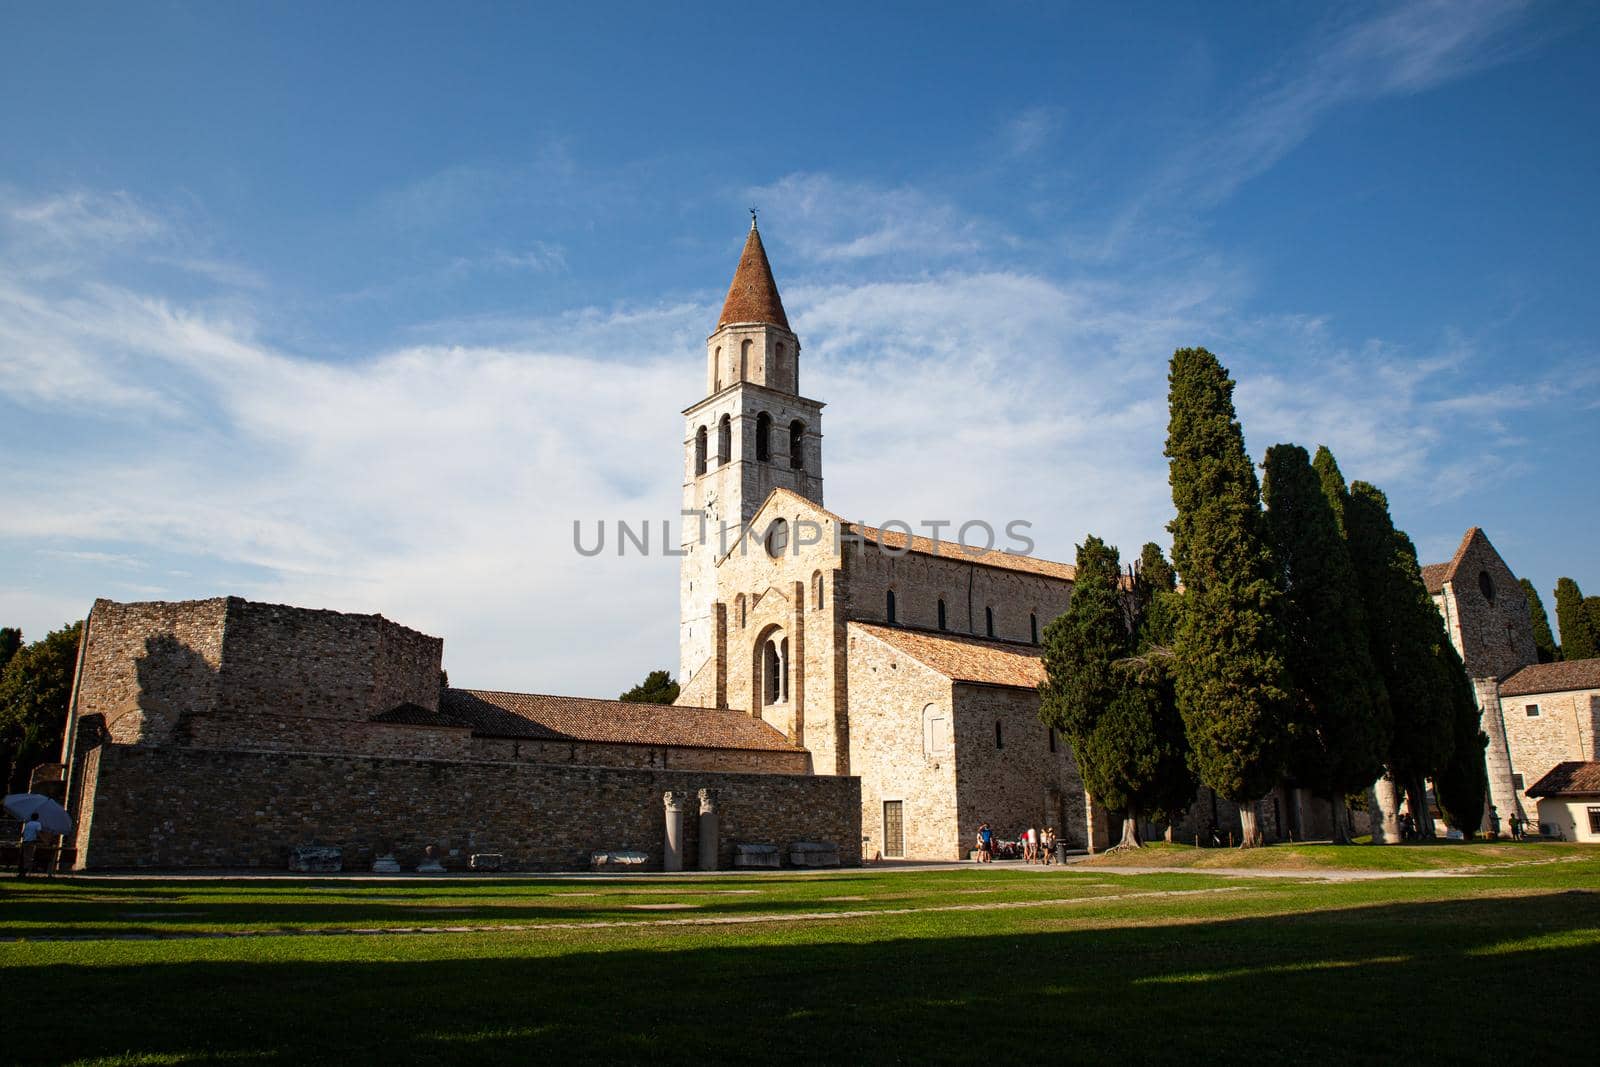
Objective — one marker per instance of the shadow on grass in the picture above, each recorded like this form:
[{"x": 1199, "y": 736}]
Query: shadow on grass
[{"x": 1379, "y": 983}]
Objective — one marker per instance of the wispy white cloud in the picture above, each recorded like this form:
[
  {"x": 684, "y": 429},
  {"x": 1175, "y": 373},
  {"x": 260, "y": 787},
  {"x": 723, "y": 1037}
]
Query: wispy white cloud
[{"x": 829, "y": 220}]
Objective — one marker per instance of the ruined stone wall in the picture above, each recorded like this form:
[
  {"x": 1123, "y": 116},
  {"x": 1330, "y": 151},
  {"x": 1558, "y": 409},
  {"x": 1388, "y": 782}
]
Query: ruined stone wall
[
  {"x": 902, "y": 747},
  {"x": 323, "y": 664},
  {"x": 270, "y": 732},
  {"x": 1565, "y": 729},
  {"x": 671, "y": 757},
  {"x": 1017, "y": 782},
  {"x": 178, "y": 807}
]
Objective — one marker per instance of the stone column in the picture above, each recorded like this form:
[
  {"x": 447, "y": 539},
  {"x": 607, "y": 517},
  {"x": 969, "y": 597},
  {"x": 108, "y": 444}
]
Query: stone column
[
  {"x": 1383, "y": 803},
  {"x": 672, "y": 847},
  {"x": 708, "y": 830}
]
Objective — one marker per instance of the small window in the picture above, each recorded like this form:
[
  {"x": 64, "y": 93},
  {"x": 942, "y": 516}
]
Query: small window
[
  {"x": 816, "y": 589},
  {"x": 988, "y": 621},
  {"x": 1594, "y": 820},
  {"x": 1532, "y": 711},
  {"x": 999, "y": 737},
  {"x": 1052, "y": 732},
  {"x": 744, "y": 361},
  {"x": 1516, "y": 782},
  {"x": 1486, "y": 586},
  {"x": 738, "y": 609},
  {"x": 935, "y": 731},
  {"x": 700, "y": 450},
  {"x": 777, "y": 537},
  {"x": 943, "y": 624},
  {"x": 763, "y": 436},
  {"x": 1033, "y": 628},
  {"x": 724, "y": 440},
  {"x": 889, "y": 606},
  {"x": 797, "y": 442}
]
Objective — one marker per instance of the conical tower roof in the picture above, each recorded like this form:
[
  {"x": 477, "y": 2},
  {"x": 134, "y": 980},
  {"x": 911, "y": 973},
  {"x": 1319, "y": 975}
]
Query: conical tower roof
[{"x": 753, "y": 296}]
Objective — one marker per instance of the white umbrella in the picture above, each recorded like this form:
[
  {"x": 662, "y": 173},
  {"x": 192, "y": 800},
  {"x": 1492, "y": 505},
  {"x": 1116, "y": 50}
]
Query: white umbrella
[{"x": 52, "y": 816}]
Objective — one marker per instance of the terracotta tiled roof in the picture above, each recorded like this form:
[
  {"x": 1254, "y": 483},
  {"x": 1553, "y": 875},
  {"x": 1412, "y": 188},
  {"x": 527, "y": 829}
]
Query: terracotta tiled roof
[
  {"x": 1553, "y": 678},
  {"x": 1434, "y": 575},
  {"x": 964, "y": 659},
  {"x": 415, "y": 715},
  {"x": 539, "y": 716},
  {"x": 1570, "y": 779},
  {"x": 753, "y": 296}
]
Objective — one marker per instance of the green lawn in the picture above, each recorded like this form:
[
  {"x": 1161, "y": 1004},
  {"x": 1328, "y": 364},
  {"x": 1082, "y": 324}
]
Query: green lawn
[{"x": 1103, "y": 967}]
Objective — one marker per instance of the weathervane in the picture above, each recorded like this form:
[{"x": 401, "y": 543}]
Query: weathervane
[{"x": 752, "y": 218}]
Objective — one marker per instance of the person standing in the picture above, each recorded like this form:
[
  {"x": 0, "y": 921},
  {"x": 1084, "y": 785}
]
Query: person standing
[
  {"x": 29, "y": 843},
  {"x": 985, "y": 844}
]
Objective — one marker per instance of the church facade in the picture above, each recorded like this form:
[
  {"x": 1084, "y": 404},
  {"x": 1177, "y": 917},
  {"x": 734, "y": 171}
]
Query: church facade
[{"x": 910, "y": 663}]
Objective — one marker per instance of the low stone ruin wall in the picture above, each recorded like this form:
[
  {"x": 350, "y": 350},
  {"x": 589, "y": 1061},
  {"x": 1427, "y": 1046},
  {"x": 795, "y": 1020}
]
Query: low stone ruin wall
[{"x": 178, "y": 807}]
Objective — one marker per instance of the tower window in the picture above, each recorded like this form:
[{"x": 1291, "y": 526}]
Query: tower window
[
  {"x": 724, "y": 440},
  {"x": 700, "y": 450},
  {"x": 1033, "y": 628},
  {"x": 943, "y": 624},
  {"x": 988, "y": 621},
  {"x": 890, "y": 608},
  {"x": 763, "y": 436},
  {"x": 716, "y": 371},
  {"x": 1486, "y": 586},
  {"x": 744, "y": 361},
  {"x": 797, "y": 440},
  {"x": 999, "y": 737}
]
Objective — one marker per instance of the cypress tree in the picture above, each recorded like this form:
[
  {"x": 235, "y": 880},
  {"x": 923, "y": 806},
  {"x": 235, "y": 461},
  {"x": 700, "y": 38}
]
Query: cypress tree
[
  {"x": 1543, "y": 639},
  {"x": 1407, "y": 633},
  {"x": 1462, "y": 783},
  {"x": 1113, "y": 720},
  {"x": 1172, "y": 781},
  {"x": 1342, "y": 728},
  {"x": 1578, "y": 637},
  {"x": 1231, "y": 679}
]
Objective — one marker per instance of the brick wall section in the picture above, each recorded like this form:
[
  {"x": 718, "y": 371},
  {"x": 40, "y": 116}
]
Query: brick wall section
[
  {"x": 1565, "y": 729},
  {"x": 1020, "y": 783},
  {"x": 324, "y": 664},
  {"x": 668, "y": 757},
  {"x": 145, "y": 664},
  {"x": 158, "y": 807}
]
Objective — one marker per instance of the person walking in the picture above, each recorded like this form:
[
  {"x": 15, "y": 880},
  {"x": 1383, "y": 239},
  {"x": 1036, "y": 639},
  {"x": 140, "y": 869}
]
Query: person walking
[{"x": 28, "y": 844}]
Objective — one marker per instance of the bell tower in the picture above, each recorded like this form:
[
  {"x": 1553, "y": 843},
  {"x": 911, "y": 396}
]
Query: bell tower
[{"x": 752, "y": 433}]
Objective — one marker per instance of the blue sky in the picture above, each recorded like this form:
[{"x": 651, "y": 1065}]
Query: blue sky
[{"x": 362, "y": 308}]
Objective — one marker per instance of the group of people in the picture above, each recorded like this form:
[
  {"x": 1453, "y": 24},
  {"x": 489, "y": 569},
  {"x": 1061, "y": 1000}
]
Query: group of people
[
  {"x": 1038, "y": 846},
  {"x": 1517, "y": 826}
]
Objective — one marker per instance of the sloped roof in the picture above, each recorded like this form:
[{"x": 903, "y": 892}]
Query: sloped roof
[
  {"x": 409, "y": 714},
  {"x": 964, "y": 659},
  {"x": 1434, "y": 575},
  {"x": 753, "y": 296},
  {"x": 1568, "y": 779},
  {"x": 924, "y": 546},
  {"x": 543, "y": 717},
  {"x": 1553, "y": 678}
]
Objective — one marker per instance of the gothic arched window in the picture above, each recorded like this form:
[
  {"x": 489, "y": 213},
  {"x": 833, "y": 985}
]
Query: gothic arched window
[
  {"x": 724, "y": 440},
  {"x": 763, "y": 436},
  {"x": 771, "y": 674},
  {"x": 700, "y": 450},
  {"x": 797, "y": 440},
  {"x": 889, "y": 609}
]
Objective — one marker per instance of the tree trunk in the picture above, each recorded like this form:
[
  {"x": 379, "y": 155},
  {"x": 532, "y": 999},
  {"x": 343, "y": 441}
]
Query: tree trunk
[
  {"x": 1130, "y": 832},
  {"x": 1341, "y": 819},
  {"x": 1171, "y": 835},
  {"x": 1249, "y": 827},
  {"x": 1417, "y": 790},
  {"x": 1384, "y": 800}
]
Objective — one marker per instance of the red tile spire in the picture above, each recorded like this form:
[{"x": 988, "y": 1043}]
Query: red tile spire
[{"x": 753, "y": 296}]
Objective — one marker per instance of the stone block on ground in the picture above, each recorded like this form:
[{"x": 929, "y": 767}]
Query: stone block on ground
[
  {"x": 756, "y": 855},
  {"x": 813, "y": 854},
  {"x": 386, "y": 864},
  {"x": 487, "y": 861},
  {"x": 316, "y": 859},
  {"x": 617, "y": 860}
]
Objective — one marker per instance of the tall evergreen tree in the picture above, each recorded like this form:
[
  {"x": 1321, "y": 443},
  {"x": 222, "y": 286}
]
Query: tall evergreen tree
[
  {"x": 1232, "y": 680},
  {"x": 35, "y": 687},
  {"x": 1543, "y": 639},
  {"x": 657, "y": 688},
  {"x": 1342, "y": 727},
  {"x": 1407, "y": 633},
  {"x": 1579, "y": 639},
  {"x": 1155, "y": 632},
  {"x": 1462, "y": 783},
  {"x": 10, "y": 642},
  {"x": 1114, "y": 722}
]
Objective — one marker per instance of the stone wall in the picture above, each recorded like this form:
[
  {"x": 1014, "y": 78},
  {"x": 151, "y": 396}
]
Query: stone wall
[
  {"x": 1018, "y": 782},
  {"x": 665, "y": 757},
  {"x": 176, "y": 807},
  {"x": 1486, "y": 614},
  {"x": 1565, "y": 729},
  {"x": 903, "y": 749}
]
